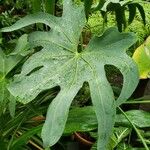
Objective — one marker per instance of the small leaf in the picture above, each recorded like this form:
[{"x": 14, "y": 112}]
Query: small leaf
[
  {"x": 120, "y": 17},
  {"x": 142, "y": 12},
  {"x": 87, "y": 7},
  {"x": 119, "y": 9},
  {"x": 132, "y": 12},
  {"x": 119, "y": 133}
]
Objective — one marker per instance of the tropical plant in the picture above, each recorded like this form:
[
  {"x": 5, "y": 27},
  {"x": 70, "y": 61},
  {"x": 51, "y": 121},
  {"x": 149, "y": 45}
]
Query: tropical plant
[{"x": 64, "y": 62}]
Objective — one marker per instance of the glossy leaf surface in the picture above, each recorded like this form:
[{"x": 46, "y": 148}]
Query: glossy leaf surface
[{"x": 142, "y": 58}]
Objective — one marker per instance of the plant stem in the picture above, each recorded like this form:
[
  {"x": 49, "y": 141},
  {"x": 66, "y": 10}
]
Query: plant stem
[
  {"x": 138, "y": 102},
  {"x": 135, "y": 128}
]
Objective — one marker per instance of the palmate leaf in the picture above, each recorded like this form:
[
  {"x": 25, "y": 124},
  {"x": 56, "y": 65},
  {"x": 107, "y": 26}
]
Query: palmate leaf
[{"x": 60, "y": 64}]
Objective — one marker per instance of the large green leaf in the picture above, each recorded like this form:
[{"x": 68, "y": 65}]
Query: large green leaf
[{"x": 60, "y": 64}]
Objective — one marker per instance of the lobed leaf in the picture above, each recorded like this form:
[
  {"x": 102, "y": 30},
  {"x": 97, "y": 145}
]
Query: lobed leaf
[{"x": 60, "y": 64}]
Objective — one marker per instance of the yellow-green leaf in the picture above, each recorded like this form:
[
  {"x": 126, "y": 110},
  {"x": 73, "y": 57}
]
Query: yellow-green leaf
[{"x": 142, "y": 58}]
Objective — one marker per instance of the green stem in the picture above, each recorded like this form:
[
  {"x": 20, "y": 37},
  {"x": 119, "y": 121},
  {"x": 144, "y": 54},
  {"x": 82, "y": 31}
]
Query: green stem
[
  {"x": 134, "y": 127},
  {"x": 138, "y": 102}
]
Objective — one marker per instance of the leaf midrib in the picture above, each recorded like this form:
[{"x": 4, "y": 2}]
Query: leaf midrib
[{"x": 55, "y": 43}]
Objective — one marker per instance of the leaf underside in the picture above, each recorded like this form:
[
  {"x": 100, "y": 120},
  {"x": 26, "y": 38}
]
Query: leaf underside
[{"x": 60, "y": 64}]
